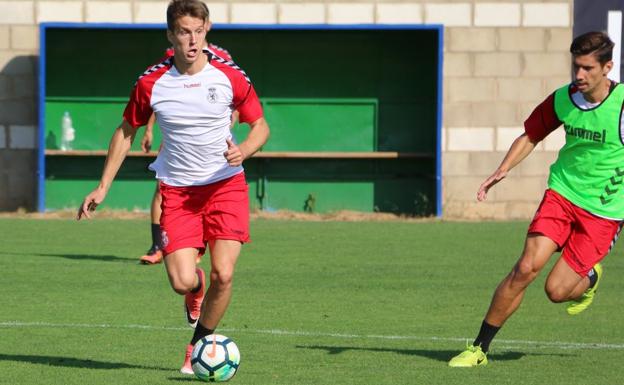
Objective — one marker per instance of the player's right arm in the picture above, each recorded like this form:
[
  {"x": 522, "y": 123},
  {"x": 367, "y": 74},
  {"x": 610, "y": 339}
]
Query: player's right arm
[
  {"x": 542, "y": 121},
  {"x": 136, "y": 114},
  {"x": 520, "y": 149},
  {"x": 117, "y": 150}
]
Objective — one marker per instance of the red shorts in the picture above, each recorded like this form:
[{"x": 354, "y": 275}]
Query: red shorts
[
  {"x": 194, "y": 215},
  {"x": 585, "y": 238}
]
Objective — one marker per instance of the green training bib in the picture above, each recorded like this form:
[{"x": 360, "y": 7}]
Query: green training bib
[{"x": 589, "y": 170}]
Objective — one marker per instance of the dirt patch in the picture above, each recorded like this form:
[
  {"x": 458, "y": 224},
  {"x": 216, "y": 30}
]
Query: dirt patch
[
  {"x": 71, "y": 214},
  {"x": 345, "y": 216}
]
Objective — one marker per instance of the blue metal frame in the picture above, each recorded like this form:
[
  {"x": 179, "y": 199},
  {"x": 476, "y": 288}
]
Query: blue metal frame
[
  {"x": 42, "y": 80},
  {"x": 41, "y": 117},
  {"x": 439, "y": 123}
]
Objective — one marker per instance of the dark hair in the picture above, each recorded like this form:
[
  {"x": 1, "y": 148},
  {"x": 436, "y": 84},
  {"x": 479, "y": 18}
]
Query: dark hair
[
  {"x": 596, "y": 43},
  {"x": 180, "y": 8}
]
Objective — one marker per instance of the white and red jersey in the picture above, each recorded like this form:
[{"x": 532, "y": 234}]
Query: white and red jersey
[
  {"x": 220, "y": 51},
  {"x": 194, "y": 114}
]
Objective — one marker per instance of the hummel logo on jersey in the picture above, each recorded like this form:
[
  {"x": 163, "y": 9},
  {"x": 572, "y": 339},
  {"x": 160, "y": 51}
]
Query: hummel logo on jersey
[
  {"x": 192, "y": 85},
  {"x": 582, "y": 133},
  {"x": 212, "y": 95}
]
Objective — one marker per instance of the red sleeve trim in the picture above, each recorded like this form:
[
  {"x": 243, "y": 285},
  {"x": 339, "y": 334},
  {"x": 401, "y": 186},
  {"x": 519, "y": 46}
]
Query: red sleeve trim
[
  {"x": 250, "y": 108},
  {"x": 542, "y": 121},
  {"x": 139, "y": 108}
]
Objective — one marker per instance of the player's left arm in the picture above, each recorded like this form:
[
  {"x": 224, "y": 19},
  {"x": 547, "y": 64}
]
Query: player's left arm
[
  {"x": 258, "y": 135},
  {"x": 246, "y": 102},
  {"x": 234, "y": 119}
]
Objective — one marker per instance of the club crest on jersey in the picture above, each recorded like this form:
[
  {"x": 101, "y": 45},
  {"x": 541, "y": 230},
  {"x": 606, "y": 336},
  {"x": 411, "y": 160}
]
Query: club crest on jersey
[{"x": 212, "y": 95}]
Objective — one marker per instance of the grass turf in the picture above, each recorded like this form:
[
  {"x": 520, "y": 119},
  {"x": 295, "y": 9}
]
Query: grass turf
[{"x": 314, "y": 303}]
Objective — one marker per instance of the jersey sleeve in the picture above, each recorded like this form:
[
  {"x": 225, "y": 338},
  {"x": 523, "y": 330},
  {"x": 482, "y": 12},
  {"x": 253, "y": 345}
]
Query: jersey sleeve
[
  {"x": 247, "y": 104},
  {"x": 138, "y": 110},
  {"x": 542, "y": 121},
  {"x": 244, "y": 97}
]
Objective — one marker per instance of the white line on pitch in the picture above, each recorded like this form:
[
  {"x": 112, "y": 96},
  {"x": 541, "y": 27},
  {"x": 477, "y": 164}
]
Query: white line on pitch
[{"x": 530, "y": 344}]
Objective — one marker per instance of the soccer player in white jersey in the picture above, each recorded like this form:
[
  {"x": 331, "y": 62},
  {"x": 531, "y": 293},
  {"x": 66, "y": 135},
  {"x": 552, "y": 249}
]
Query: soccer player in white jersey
[
  {"x": 199, "y": 167},
  {"x": 154, "y": 253}
]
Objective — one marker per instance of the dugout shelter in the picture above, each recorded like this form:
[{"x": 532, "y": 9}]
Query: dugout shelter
[{"x": 354, "y": 110}]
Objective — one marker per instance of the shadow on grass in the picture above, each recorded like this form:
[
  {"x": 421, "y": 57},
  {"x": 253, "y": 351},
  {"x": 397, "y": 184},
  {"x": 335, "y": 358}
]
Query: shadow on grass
[
  {"x": 71, "y": 362},
  {"x": 79, "y": 257},
  {"x": 438, "y": 355}
]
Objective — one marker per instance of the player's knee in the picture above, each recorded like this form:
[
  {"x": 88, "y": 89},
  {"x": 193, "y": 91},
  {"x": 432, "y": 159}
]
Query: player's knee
[
  {"x": 556, "y": 294},
  {"x": 183, "y": 285},
  {"x": 222, "y": 278},
  {"x": 524, "y": 270}
]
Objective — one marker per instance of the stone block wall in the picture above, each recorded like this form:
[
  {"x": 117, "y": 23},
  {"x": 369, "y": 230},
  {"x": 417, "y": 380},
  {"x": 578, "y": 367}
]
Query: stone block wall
[
  {"x": 501, "y": 58},
  {"x": 496, "y": 70}
]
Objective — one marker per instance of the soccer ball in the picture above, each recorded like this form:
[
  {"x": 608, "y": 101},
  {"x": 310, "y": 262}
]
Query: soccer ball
[{"x": 215, "y": 358}]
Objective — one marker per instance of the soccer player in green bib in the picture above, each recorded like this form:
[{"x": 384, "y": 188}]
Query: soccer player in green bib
[{"x": 582, "y": 210}]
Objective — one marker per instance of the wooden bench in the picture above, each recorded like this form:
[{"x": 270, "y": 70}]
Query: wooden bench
[{"x": 271, "y": 154}]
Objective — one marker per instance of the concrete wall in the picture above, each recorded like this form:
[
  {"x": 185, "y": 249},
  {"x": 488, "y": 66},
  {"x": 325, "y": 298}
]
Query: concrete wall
[
  {"x": 496, "y": 70},
  {"x": 502, "y": 57}
]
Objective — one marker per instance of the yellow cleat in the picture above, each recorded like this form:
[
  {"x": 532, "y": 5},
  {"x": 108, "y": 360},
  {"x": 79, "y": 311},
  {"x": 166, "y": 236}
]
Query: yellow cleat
[
  {"x": 582, "y": 303},
  {"x": 472, "y": 356}
]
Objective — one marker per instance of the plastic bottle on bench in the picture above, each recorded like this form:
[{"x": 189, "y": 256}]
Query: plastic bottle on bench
[{"x": 68, "y": 133}]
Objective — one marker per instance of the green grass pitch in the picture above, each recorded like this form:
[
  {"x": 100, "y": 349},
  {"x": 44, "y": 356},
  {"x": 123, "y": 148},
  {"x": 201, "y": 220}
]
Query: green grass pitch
[{"x": 314, "y": 303}]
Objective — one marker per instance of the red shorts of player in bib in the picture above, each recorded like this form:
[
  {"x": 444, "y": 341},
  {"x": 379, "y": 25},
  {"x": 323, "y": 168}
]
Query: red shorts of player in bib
[
  {"x": 584, "y": 237},
  {"x": 193, "y": 215}
]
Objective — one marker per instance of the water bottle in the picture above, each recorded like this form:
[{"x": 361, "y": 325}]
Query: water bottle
[{"x": 67, "y": 132}]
